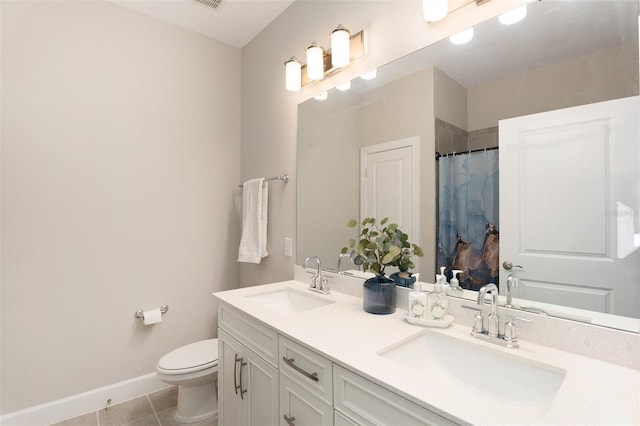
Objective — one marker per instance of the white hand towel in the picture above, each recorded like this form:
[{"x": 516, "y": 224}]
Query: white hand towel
[{"x": 253, "y": 244}]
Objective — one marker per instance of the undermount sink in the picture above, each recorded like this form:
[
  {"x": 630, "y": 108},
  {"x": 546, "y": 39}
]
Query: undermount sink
[
  {"x": 290, "y": 300},
  {"x": 506, "y": 376}
]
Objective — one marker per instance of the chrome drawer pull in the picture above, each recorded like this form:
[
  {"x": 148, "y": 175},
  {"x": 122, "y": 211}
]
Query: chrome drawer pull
[
  {"x": 290, "y": 420},
  {"x": 235, "y": 374},
  {"x": 239, "y": 360},
  {"x": 289, "y": 361}
]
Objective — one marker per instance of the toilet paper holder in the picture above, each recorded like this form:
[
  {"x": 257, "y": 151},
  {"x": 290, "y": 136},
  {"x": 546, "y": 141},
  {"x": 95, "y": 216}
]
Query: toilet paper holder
[{"x": 140, "y": 313}]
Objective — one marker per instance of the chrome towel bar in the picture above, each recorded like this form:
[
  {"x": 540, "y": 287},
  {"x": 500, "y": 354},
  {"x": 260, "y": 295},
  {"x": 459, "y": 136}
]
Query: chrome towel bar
[{"x": 284, "y": 178}]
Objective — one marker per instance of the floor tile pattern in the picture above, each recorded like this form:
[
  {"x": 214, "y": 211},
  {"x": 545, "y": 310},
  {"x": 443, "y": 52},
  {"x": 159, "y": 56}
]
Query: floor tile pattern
[{"x": 155, "y": 409}]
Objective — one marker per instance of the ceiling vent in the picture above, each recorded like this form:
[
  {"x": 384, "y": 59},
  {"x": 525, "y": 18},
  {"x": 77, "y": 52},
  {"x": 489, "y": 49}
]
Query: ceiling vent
[{"x": 215, "y": 5}]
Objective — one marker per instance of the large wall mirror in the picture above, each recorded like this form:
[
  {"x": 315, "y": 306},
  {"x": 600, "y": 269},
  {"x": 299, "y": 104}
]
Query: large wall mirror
[{"x": 548, "y": 100}]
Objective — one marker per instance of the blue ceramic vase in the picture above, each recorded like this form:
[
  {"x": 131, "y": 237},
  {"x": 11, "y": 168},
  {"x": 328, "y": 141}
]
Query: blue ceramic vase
[
  {"x": 379, "y": 295},
  {"x": 403, "y": 282}
]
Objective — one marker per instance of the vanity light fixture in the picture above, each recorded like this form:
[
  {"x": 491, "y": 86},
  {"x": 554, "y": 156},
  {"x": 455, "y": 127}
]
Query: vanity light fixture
[
  {"x": 462, "y": 37},
  {"x": 344, "y": 86},
  {"x": 320, "y": 63},
  {"x": 437, "y": 10},
  {"x": 340, "y": 47},
  {"x": 370, "y": 75},
  {"x": 293, "y": 74},
  {"x": 513, "y": 16},
  {"x": 315, "y": 62}
]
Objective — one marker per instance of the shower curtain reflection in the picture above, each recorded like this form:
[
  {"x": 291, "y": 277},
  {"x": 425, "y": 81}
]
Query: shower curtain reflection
[{"x": 468, "y": 217}]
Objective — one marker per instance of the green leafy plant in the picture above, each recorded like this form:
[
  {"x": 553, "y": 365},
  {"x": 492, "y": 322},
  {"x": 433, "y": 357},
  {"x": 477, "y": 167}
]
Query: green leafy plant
[{"x": 381, "y": 245}]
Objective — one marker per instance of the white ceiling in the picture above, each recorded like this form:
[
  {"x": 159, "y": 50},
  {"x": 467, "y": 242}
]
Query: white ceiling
[{"x": 235, "y": 22}]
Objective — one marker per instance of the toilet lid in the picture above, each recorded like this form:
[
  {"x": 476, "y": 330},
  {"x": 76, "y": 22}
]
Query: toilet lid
[{"x": 193, "y": 357}]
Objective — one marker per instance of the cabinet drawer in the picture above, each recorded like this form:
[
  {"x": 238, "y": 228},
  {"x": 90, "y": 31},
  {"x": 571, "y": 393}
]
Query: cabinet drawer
[
  {"x": 340, "y": 419},
  {"x": 311, "y": 370},
  {"x": 298, "y": 406},
  {"x": 259, "y": 338},
  {"x": 369, "y": 404}
]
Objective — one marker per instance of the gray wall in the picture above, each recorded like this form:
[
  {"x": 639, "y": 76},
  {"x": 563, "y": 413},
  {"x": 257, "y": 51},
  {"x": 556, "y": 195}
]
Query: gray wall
[{"x": 120, "y": 154}]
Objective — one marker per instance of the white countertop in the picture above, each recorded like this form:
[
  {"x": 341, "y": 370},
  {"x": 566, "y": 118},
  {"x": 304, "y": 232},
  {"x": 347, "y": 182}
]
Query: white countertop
[{"x": 593, "y": 391}]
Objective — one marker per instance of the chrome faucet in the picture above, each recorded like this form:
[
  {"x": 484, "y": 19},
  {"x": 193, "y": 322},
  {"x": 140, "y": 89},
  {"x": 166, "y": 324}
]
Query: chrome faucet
[
  {"x": 493, "y": 323},
  {"x": 512, "y": 281},
  {"x": 340, "y": 257},
  {"x": 318, "y": 281},
  {"x": 492, "y": 332}
]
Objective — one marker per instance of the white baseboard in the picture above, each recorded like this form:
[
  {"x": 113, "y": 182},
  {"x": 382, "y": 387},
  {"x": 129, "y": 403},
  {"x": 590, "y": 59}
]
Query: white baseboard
[{"x": 83, "y": 403}]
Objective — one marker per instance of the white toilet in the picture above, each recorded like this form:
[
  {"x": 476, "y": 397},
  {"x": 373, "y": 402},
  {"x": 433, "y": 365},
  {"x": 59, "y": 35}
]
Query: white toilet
[{"x": 194, "y": 369}]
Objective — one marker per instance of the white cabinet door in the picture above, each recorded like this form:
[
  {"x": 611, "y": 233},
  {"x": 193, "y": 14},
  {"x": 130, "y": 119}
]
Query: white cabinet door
[
  {"x": 299, "y": 407},
  {"x": 248, "y": 386},
  {"x": 230, "y": 404},
  {"x": 262, "y": 390}
]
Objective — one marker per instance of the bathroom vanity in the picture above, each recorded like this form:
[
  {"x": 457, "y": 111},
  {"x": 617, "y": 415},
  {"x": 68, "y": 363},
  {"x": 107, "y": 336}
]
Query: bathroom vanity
[{"x": 290, "y": 356}]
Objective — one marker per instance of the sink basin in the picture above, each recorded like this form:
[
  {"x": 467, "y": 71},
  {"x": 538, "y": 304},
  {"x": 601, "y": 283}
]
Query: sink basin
[
  {"x": 502, "y": 375},
  {"x": 290, "y": 300}
]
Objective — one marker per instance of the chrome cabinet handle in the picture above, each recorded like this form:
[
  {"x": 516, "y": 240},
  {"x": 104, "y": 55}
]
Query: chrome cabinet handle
[
  {"x": 235, "y": 373},
  {"x": 290, "y": 420},
  {"x": 242, "y": 391},
  {"x": 239, "y": 360},
  {"x": 290, "y": 363},
  {"x": 508, "y": 265}
]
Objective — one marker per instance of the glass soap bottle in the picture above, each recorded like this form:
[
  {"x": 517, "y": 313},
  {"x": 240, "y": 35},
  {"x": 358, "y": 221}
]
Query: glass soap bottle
[
  {"x": 417, "y": 303},
  {"x": 438, "y": 301}
]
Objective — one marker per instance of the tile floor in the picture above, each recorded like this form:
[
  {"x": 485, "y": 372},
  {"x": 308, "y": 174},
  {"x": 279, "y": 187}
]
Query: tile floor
[{"x": 155, "y": 409}]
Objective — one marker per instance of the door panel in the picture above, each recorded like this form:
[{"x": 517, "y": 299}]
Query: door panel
[
  {"x": 557, "y": 216},
  {"x": 389, "y": 183},
  {"x": 563, "y": 175},
  {"x": 262, "y": 383}
]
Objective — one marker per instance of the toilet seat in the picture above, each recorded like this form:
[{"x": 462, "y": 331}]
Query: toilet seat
[{"x": 190, "y": 358}]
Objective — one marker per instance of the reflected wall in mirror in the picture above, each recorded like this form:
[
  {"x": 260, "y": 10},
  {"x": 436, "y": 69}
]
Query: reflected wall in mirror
[{"x": 453, "y": 98}]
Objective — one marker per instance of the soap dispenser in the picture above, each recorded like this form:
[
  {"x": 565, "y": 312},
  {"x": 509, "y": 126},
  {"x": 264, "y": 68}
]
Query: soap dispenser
[
  {"x": 438, "y": 300},
  {"x": 455, "y": 283},
  {"x": 417, "y": 304}
]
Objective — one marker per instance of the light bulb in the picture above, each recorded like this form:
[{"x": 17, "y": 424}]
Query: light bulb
[
  {"x": 370, "y": 75},
  {"x": 434, "y": 10},
  {"x": 344, "y": 86},
  {"x": 315, "y": 62},
  {"x": 340, "y": 47},
  {"x": 513, "y": 16},
  {"x": 293, "y": 74},
  {"x": 462, "y": 37}
]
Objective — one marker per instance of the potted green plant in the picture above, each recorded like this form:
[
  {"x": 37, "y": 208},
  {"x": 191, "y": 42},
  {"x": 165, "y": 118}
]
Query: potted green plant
[
  {"x": 378, "y": 246},
  {"x": 404, "y": 263}
]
